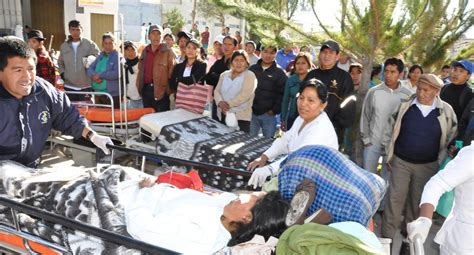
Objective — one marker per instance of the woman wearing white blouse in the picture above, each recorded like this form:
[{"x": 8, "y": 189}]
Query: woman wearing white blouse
[
  {"x": 234, "y": 92},
  {"x": 311, "y": 127}
]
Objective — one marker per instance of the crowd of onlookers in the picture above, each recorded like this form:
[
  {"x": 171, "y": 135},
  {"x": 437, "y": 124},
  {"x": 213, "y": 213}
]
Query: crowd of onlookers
[{"x": 408, "y": 125}]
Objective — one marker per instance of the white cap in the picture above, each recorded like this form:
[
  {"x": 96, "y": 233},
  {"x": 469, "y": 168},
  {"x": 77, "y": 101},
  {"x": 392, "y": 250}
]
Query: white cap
[
  {"x": 219, "y": 39},
  {"x": 167, "y": 31}
]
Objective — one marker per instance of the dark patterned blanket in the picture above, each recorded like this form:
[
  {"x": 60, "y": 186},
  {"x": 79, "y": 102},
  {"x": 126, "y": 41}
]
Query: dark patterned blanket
[
  {"x": 82, "y": 195},
  {"x": 207, "y": 140}
]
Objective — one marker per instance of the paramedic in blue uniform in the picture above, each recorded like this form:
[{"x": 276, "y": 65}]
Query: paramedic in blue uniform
[{"x": 31, "y": 107}]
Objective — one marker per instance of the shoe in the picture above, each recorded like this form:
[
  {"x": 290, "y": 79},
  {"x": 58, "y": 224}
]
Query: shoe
[
  {"x": 300, "y": 203},
  {"x": 321, "y": 216},
  {"x": 405, "y": 248}
]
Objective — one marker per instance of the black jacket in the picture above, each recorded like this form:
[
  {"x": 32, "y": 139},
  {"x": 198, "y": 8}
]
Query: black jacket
[
  {"x": 340, "y": 87},
  {"x": 220, "y": 66},
  {"x": 198, "y": 71},
  {"x": 270, "y": 88},
  {"x": 29, "y": 120}
]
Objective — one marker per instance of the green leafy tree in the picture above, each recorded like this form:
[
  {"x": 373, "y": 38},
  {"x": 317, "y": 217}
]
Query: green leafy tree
[
  {"x": 433, "y": 51},
  {"x": 209, "y": 10},
  {"x": 174, "y": 19}
]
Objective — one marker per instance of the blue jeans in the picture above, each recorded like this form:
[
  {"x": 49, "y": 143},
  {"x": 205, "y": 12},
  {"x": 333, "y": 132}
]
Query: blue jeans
[
  {"x": 372, "y": 154},
  {"x": 265, "y": 122}
]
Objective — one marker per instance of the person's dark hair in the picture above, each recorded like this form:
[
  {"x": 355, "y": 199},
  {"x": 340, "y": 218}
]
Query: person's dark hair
[
  {"x": 170, "y": 36},
  {"x": 240, "y": 53},
  {"x": 321, "y": 89},
  {"x": 251, "y": 43},
  {"x": 234, "y": 40},
  {"x": 203, "y": 53},
  {"x": 396, "y": 62},
  {"x": 445, "y": 67},
  {"x": 375, "y": 71},
  {"x": 413, "y": 68},
  {"x": 306, "y": 56},
  {"x": 273, "y": 47},
  {"x": 108, "y": 35},
  {"x": 13, "y": 47},
  {"x": 74, "y": 23},
  {"x": 268, "y": 219}
]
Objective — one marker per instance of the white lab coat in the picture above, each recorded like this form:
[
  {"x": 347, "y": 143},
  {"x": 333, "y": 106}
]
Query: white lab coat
[
  {"x": 182, "y": 220},
  {"x": 320, "y": 131},
  {"x": 456, "y": 236}
]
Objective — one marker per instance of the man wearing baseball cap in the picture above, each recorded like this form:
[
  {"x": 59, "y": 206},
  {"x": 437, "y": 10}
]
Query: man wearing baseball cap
[
  {"x": 415, "y": 145},
  {"x": 154, "y": 71},
  {"x": 458, "y": 93},
  {"x": 44, "y": 65},
  {"x": 340, "y": 88}
]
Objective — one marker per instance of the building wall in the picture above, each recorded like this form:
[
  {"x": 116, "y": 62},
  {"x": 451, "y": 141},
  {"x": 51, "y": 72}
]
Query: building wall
[
  {"x": 83, "y": 14},
  {"x": 137, "y": 12},
  {"x": 10, "y": 15}
]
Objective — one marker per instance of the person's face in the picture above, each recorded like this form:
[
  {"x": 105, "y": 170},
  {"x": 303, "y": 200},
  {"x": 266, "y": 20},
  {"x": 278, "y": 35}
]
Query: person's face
[
  {"x": 288, "y": 48},
  {"x": 309, "y": 105},
  {"x": 302, "y": 66},
  {"x": 191, "y": 51},
  {"x": 218, "y": 48},
  {"x": 239, "y": 64},
  {"x": 268, "y": 56},
  {"x": 445, "y": 72},
  {"x": 182, "y": 42},
  {"x": 426, "y": 93},
  {"x": 130, "y": 53},
  {"x": 228, "y": 47},
  {"x": 75, "y": 32},
  {"x": 328, "y": 58},
  {"x": 169, "y": 41},
  {"x": 108, "y": 45},
  {"x": 240, "y": 209},
  {"x": 356, "y": 75},
  {"x": 343, "y": 58},
  {"x": 34, "y": 43},
  {"x": 459, "y": 75},
  {"x": 249, "y": 49},
  {"x": 415, "y": 75},
  {"x": 18, "y": 76},
  {"x": 391, "y": 75},
  {"x": 155, "y": 38}
]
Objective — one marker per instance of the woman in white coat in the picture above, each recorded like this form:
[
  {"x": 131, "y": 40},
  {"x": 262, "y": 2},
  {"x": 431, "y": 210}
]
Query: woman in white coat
[
  {"x": 456, "y": 236},
  {"x": 311, "y": 127}
]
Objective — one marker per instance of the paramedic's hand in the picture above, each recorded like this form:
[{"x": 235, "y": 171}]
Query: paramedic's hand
[
  {"x": 259, "y": 162},
  {"x": 259, "y": 176},
  {"x": 147, "y": 182},
  {"x": 420, "y": 226},
  {"x": 101, "y": 142}
]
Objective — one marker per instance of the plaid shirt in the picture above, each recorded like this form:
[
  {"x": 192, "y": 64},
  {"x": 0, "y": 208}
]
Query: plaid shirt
[
  {"x": 45, "y": 67},
  {"x": 347, "y": 191}
]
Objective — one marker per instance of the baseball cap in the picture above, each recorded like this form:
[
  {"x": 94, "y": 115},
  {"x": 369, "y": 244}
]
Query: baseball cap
[
  {"x": 155, "y": 27},
  {"x": 219, "y": 39},
  {"x": 432, "y": 80},
  {"x": 184, "y": 34},
  {"x": 466, "y": 64},
  {"x": 127, "y": 44},
  {"x": 36, "y": 34},
  {"x": 333, "y": 45}
]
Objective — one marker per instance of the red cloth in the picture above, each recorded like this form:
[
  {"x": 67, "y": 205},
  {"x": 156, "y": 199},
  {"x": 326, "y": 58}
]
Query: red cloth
[
  {"x": 205, "y": 37},
  {"x": 44, "y": 66},
  {"x": 148, "y": 72}
]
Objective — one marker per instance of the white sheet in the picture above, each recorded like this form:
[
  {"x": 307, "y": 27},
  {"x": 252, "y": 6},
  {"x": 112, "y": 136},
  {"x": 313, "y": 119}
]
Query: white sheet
[{"x": 154, "y": 122}]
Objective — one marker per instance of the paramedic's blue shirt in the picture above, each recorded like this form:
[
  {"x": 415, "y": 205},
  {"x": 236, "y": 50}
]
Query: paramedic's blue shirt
[
  {"x": 347, "y": 191},
  {"x": 26, "y": 123}
]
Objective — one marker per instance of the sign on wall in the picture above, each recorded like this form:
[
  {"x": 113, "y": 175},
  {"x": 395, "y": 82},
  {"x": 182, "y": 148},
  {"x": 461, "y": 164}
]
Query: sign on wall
[{"x": 91, "y": 2}]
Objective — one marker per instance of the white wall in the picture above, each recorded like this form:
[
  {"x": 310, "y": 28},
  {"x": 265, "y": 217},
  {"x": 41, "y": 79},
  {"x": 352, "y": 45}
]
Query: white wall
[
  {"x": 109, "y": 7},
  {"x": 10, "y": 14}
]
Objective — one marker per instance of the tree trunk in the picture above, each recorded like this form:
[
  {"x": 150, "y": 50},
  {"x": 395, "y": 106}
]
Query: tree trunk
[
  {"x": 193, "y": 13},
  {"x": 357, "y": 145}
]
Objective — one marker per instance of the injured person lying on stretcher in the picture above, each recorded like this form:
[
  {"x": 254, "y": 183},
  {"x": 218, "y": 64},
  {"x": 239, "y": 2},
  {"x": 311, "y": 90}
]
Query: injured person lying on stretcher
[{"x": 192, "y": 222}]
